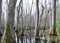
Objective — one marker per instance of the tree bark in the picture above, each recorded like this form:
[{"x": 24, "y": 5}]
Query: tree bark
[
  {"x": 9, "y": 36},
  {"x": 22, "y": 28},
  {"x": 11, "y": 16},
  {"x": 18, "y": 17},
  {"x": 0, "y": 13},
  {"x": 53, "y": 28},
  {"x": 0, "y": 18},
  {"x": 37, "y": 39}
]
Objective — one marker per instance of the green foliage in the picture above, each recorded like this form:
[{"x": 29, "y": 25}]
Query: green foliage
[
  {"x": 57, "y": 4},
  {"x": 58, "y": 22}
]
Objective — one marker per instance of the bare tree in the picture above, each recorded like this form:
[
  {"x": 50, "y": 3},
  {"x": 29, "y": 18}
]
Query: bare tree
[
  {"x": 22, "y": 26},
  {"x": 37, "y": 39},
  {"x": 53, "y": 28},
  {"x": 18, "y": 18},
  {"x": 11, "y": 15},
  {"x": 8, "y": 36}
]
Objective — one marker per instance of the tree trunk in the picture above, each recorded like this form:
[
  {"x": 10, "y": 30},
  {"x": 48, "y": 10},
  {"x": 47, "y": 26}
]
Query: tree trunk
[
  {"x": 30, "y": 22},
  {"x": 0, "y": 13},
  {"x": 18, "y": 17},
  {"x": 0, "y": 18},
  {"x": 53, "y": 28},
  {"x": 22, "y": 28},
  {"x": 37, "y": 39},
  {"x": 9, "y": 36},
  {"x": 11, "y": 16}
]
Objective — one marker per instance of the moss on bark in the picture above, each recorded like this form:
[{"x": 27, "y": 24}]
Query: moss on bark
[
  {"x": 52, "y": 32},
  {"x": 7, "y": 38}
]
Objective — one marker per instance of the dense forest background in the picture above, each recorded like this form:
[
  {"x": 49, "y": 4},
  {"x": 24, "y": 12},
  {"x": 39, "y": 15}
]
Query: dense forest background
[{"x": 29, "y": 21}]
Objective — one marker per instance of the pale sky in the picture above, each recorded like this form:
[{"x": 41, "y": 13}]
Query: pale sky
[{"x": 25, "y": 3}]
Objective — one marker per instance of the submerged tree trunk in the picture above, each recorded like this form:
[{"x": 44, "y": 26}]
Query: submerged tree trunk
[
  {"x": 8, "y": 36},
  {"x": 37, "y": 39}
]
